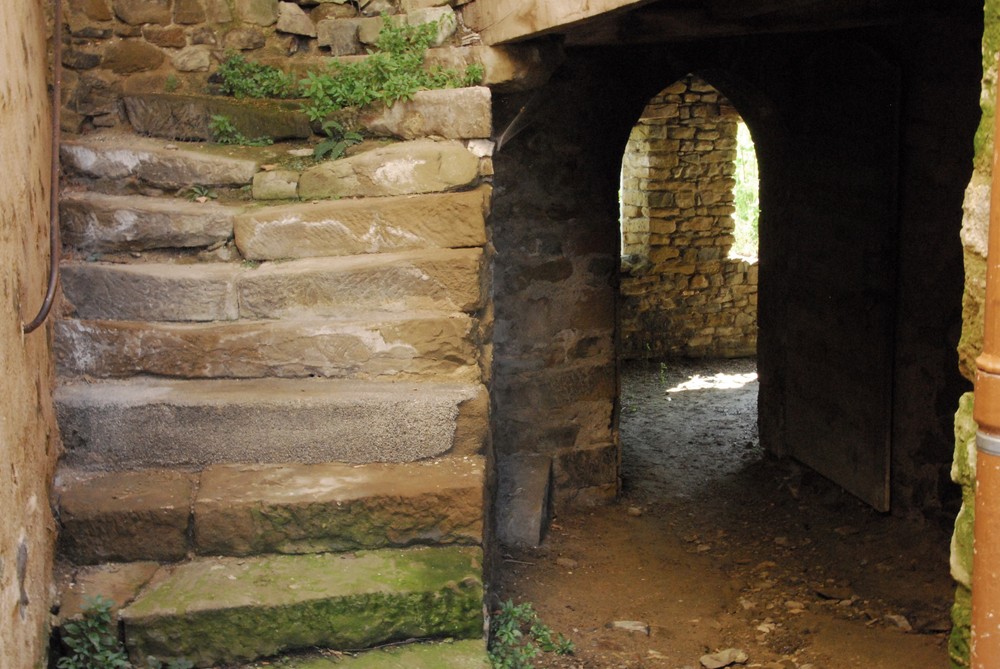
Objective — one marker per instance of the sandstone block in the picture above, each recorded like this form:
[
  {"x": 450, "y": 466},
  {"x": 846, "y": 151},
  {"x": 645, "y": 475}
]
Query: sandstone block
[
  {"x": 437, "y": 346},
  {"x": 292, "y": 19},
  {"x": 341, "y": 35},
  {"x": 524, "y": 499},
  {"x": 156, "y": 292},
  {"x": 149, "y": 422},
  {"x": 127, "y": 57},
  {"x": 276, "y": 185},
  {"x": 245, "y": 39},
  {"x": 254, "y": 509},
  {"x": 188, "y": 12},
  {"x": 226, "y": 610},
  {"x": 455, "y": 113},
  {"x": 447, "y": 280},
  {"x": 421, "y": 166},
  {"x": 189, "y": 117},
  {"x": 96, "y": 222},
  {"x": 260, "y": 12},
  {"x": 447, "y": 655},
  {"x": 170, "y": 37},
  {"x": 196, "y": 58},
  {"x": 442, "y": 16},
  {"x": 137, "y": 12},
  {"x": 511, "y": 67},
  {"x": 348, "y": 227},
  {"x": 124, "y": 516},
  {"x": 117, "y": 157},
  {"x": 120, "y": 582},
  {"x": 218, "y": 11},
  {"x": 96, "y": 10}
]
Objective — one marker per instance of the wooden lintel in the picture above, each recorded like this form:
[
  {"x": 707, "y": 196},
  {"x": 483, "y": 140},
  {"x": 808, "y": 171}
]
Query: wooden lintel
[{"x": 500, "y": 21}]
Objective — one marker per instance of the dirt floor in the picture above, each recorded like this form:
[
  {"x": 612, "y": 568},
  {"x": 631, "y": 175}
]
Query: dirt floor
[{"x": 715, "y": 545}]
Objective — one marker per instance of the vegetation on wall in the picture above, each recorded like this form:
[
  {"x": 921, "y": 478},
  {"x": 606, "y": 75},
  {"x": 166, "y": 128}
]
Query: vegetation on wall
[
  {"x": 393, "y": 71},
  {"x": 746, "y": 195}
]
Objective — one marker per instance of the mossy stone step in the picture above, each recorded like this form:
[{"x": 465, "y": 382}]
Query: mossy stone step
[
  {"x": 189, "y": 117},
  {"x": 442, "y": 655},
  {"x": 232, "y": 609}
]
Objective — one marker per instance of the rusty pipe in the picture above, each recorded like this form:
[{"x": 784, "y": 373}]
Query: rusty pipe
[
  {"x": 54, "y": 241},
  {"x": 986, "y": 547}
]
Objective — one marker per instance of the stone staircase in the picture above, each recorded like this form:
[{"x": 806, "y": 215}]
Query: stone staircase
[{"x": 273, "y": 410}]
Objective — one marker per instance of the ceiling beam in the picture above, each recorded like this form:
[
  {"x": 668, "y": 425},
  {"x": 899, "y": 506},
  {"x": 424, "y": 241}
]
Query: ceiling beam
[{"x": 500, "y": 21}]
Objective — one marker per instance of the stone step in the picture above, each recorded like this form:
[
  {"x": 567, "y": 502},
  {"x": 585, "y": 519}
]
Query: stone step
[
  {"x": 117, "y": 156},
  {"x": 440, "y": 655},
  {"x": 434, "y": 280},
  {"x": 107, "y": 223},
  {"x": 149, "y": 422},
  {"x": 366, "y": 225},
  {"x": 223, "y": 610},
  {"x": 400, "y": 346},
  {"x": 403, "y": 168},
  {"x": 245, "y": 509},
  {"x": 188, "y": 117}
]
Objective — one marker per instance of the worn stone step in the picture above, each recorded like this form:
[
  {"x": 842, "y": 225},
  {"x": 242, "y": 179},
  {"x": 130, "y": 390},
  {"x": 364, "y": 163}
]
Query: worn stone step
[
  {"x": 246, "y": 509},
  {"x": 151, "y": 422},
  {"x": 403, "y": 168},
  {"x": 399, "y": 346},
  {"x": 188, "y": 117},
  {"x": 366, "y": 225},
  {"x": 450, "y": 113},
  {"x": 119, "y": 156},
  {"x": 432, "y": 280},
  {"x": 213, "y": 611},
  {"x": 429, "y": 655},
  {"x": 108, "y": 223}
]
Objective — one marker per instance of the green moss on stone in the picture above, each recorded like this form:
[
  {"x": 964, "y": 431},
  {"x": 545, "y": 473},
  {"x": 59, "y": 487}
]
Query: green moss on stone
[
  {"x": 961, "y": 618},
  {"x": 991, "y": 46},
  {"x": 971, "y": 343},
  {"x": 231, "y": 609},
  {"x": 449, "y": 655}
]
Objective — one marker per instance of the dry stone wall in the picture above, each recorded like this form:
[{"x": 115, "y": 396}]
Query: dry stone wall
[
  {"x": 117, "y": 48},
  {"x": 682, "y": 295}
]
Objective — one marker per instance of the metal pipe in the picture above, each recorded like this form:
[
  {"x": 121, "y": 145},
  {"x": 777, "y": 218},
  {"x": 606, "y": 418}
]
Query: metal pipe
[
  {"x": 986, "y": 551},
  {"x": 54, "y": 241}
]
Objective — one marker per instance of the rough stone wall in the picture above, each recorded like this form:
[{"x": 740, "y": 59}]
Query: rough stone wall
[
  {"x": 975, "y": 230},
  {"x": 682, "y": 295},
  {"x": 116, "y": 47},
  {"x": 27, "y": 425}
]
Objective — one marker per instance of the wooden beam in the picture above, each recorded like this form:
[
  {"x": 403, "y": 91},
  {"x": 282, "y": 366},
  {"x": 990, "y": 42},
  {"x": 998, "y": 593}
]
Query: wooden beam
[{"x": 500, "y": 21}]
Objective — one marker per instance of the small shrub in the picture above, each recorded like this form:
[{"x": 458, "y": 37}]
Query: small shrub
[
  {"x": 517, "y": 636},
  {"x": 242, "y": 78},
  {"x": 336, "y": 142},
  {"x": 171, "y": 84},
  {"x": 224, "y": 132},
  {"x": 92, "y": 641}
]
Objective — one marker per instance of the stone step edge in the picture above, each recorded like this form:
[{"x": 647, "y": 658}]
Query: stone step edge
[
  {"x": 225, "y": 610},
  {"x": 459, "y": 572},
  {"x": 241, "y": 509},
  {"x": 147, "y": 423}
]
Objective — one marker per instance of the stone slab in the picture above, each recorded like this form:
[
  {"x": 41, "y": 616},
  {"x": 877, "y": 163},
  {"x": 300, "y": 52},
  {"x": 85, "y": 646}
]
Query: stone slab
[
  {"x": 119, "y": 582},
  {"x": 418, "y": 166},
  {"x": 118, "y": 156},
  {"x": 438, "y": 346},
  {"x": 447, "y": 655},
  {"x": 435, "y": 279},
  {"x": 368, "y": 225},
  {"x": 256, "y": 509},
  {"x": 149, "y": 422},
  {"x": 151, "y": 291},
  {"x": 124, "y": 516},
  {"x": 506, "y": 68},
  {"x": 524, "y": 499},
  {"x": 222, "y": 610},
  {"x": 188, "y": 117},
  {"x": 450, "y": 113},
  {"x": 97, "y": 222}
]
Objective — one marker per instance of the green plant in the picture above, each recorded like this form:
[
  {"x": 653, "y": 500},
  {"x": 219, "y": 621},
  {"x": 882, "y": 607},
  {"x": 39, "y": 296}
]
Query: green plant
[
  {"x": 224, "y": 132},
  {"x": 171, "y": 84},
  {"x": 242, "y": 78},
  {"x": 394, "y": 71},
  {"x": 176, "y": 663},
  {"x": 92, "y": 640},
  {"x": 336, "y": 142},
  {"x": 200, "y": 193},
  {"x": 745, "y": 195},
  {"x": 517, "y": 636}
]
